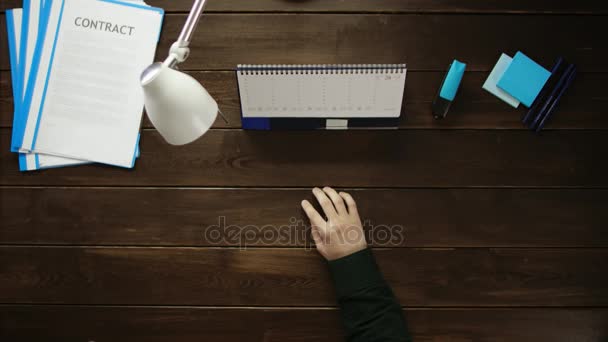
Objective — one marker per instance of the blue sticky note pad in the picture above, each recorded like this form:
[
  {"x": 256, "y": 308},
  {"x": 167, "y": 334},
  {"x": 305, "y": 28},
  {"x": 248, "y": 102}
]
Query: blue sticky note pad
[
  {"x": 524, "y": 79},
  {"x": 490, "y": 85}
]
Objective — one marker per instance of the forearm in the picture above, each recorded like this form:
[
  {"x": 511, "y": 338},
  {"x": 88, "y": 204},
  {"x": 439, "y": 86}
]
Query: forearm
[{"x": 369, "y": 310}]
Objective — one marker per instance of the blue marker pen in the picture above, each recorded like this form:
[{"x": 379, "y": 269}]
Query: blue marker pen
[{"x": 448, "y": 89}]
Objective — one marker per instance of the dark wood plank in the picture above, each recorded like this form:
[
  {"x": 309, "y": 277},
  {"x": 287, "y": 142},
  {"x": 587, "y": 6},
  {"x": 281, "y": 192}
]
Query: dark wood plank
[
  {"x": 583, "y": 107},
  {"x": 379, "y": 6},
  {"x": 155, "y": 324},
  {"x": 6, "y": 99},
  {"x": 4, "y": 56},
  {"x": 298, "y": 277},
  {"x": 398, "y": 6},
  {"x": 209, "y": 217},
  {"x": 346, "y": 159},
  {"x": 222, "y": 85},
  {"x": 231, "y": 39}
]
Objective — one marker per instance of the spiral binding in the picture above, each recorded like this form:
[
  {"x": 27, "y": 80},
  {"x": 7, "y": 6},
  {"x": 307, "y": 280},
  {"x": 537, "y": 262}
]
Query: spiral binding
[{"x": 320, "y": 69}]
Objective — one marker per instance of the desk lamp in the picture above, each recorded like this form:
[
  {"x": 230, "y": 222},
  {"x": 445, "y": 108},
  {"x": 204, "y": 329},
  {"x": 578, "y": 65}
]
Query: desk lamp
[{"x": 177, "y": 104}]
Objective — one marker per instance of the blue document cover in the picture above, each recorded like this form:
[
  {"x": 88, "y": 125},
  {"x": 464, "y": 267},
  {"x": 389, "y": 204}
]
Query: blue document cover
[{"x": 27, "y": 34}]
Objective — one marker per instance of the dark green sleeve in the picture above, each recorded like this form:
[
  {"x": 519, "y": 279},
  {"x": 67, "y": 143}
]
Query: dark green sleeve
[{"x": 369, "y": 310}]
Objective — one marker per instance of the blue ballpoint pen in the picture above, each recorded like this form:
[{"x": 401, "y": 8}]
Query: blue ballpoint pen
[
  {"x": 560, "y": 84},
  {"x": 539, "y": 99},
  {"x": 556, "y": 101}
]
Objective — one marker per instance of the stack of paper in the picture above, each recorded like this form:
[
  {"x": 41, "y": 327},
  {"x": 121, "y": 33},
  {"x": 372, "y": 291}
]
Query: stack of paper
[
  {"x": 75, "y": 68},
  {"x": 517, "y": 80}
]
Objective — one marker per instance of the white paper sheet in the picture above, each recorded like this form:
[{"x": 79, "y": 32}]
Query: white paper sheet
[
  {"x": 321, "y": 91},
  {"x": 32, "y": 161}
]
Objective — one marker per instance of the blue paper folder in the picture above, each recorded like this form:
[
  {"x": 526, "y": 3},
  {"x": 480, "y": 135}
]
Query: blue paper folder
[{"x": 17, "y": 29}]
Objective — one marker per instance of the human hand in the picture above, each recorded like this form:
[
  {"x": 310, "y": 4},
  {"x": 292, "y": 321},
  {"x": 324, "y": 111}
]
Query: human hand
[{"x": 342, "y": 234}]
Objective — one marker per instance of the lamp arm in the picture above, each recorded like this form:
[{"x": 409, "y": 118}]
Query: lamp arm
[
  {"x": 179, "y": 50},
  {"x": 193, "y": 18}
]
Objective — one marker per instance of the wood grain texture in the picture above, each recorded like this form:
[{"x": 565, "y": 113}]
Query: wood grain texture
[
  {"x": 231, "y": 39},
  {"x": 346, "y": 159},
  {"x": 248, "y": 217},
  {"x": 298, "y": 277},
  {"x": 4, "y": 54},
  {"x": 382, "y": 6},
  {"x": 504, "y": 231},
  {"x": 156, "y": 324},
  {"x": 398, "y": 6},
  {"x": 582, "y": 108}
]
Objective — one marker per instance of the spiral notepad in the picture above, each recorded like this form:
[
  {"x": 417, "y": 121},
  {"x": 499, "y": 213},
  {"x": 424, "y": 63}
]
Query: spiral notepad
[{"x": 363, "y": 91}]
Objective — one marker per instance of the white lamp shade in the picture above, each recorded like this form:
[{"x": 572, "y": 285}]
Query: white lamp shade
[{"x": 177, "y": 104}]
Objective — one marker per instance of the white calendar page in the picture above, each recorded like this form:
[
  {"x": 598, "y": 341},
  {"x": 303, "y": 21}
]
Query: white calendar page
[{"x": 321, "y": 91}]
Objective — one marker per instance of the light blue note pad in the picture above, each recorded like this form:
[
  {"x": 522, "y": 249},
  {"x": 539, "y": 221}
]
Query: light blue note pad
[
  {"x": 490, "y": 85},
  {"x": 524, "y": 79}
]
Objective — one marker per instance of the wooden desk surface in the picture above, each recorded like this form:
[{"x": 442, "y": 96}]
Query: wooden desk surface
[{"x": 504, "y": 232}]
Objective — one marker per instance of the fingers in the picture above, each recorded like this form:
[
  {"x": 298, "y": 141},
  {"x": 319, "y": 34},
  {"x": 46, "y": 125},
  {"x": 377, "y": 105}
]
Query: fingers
[
  {"x": 336, "y": 199},
  {"x": 325, "y": 202},
  {"x": 316, "y": 236},
  {"x": 350, "y": 202},
  {"x": 315, "y": 218}
]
